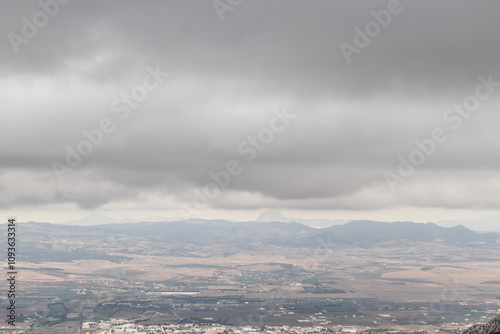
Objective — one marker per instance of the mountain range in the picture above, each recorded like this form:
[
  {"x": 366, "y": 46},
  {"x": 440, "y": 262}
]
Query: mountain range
[{"x": 285, "y": 234}]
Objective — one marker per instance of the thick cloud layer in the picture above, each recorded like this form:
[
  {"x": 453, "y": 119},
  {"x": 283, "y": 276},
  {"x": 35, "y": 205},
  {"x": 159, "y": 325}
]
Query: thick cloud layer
[{"x": 269, "y": 87}]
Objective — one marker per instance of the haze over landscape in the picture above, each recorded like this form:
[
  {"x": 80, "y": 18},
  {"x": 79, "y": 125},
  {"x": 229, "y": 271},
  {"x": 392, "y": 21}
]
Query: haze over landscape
[{"x": 481, "y": 224}]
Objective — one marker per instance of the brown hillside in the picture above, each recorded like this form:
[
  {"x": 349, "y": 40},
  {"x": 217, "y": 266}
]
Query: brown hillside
[{"x": 490, "y": 327}]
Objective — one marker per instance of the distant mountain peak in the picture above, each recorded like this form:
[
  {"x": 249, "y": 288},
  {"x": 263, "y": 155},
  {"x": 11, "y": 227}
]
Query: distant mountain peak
[{"x": 272, "y": 216}]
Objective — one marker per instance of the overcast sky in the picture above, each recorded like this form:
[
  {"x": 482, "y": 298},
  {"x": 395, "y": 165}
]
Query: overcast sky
[{"x": 311, "y": 116}]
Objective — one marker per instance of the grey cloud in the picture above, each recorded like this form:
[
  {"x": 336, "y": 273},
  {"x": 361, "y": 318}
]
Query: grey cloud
[{"x": 353, "y": 120}]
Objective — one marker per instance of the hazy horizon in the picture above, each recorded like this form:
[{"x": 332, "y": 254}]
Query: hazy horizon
[{"x": 487, "y": 223}]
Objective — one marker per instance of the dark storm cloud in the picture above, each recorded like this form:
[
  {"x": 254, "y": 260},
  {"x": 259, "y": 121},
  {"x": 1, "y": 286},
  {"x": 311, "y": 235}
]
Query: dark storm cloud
[
  {"x": 352, "y": 121},
  {"x": 429, "y": 46}
]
